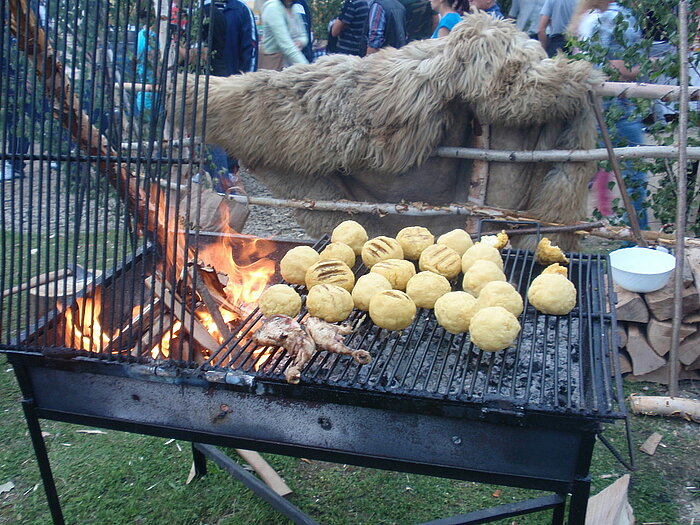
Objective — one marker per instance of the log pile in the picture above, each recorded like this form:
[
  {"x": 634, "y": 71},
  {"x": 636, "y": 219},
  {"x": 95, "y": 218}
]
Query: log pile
[{"x": 644, "y": 329}]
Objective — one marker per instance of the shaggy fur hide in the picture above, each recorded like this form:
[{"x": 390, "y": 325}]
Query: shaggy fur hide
[{"x": 364, "y": 129}]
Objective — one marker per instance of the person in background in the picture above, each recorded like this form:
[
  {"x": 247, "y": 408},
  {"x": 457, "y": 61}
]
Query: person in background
[
  {"x": 526, "y": 14},
  {"x": 301, "y": 8},
  {"x": 555, "y": 15},
  {"x": 490, "y": 6},
  {"x": 614, "y": 28},
  {"x": 241, "y": 48},
  {"x": 347, "y": 28},
  {"x": 421, "y": 19},
  {"x": 450, "y": 12},
  {"x": 147, "y": 61},
  {"x": 283, "y": 36},
  {"x": 386, "y": 25}
]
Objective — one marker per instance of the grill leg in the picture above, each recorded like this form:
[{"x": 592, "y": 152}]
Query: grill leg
[
  {"x": 42, "y": 458},
  {"x": 199, "y": 461},
  {"x": 581, "y": 488},
  {"x": 558, "y": 512}
]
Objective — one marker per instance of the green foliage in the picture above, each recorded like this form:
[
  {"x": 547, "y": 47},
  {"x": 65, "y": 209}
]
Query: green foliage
[
  {"x": 658, "y": 21},
  {"x": 323, "y": 11}
]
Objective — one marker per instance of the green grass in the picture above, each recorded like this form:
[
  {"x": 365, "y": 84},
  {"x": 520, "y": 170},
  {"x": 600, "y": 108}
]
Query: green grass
[{"x": 126, "y": 478}]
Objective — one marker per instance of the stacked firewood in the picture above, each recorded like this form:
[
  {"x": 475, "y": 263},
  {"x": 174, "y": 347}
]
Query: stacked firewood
[{"x": 645, "y": 328}]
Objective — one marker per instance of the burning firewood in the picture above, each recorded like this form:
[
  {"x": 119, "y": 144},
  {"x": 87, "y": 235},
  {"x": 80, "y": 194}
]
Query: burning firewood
[
  {"x": 329, "y": 337},
  {"x": 280, "y": 330}
]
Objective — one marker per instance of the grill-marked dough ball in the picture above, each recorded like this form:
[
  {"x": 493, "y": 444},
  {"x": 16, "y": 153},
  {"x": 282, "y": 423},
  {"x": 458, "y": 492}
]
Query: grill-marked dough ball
[
  {"x": 330, "y": 272},
  {"x": 366, "y": 287},
  {"x": 280, "y": 299},
  {"x": 392, "y": 309},
  {"x": 426, "y": 287},
  {"x": 397, "y": 271},
  {"x": 479, "y": 275},
  {"x": 440, "y": 259},
  {"x": 351, "y": 233},
  {"x": 329, "y": 302},
  {"x": 454, "y": 311},
  {"x": 552, "y": 293},
  {"x": 494, "y": 328},
  {"x": 500, "y": 293},
  {"x": 458, "y": 240},
  {"x": 295, "y": 262},
  {"x": 481, "y": 251},
  {"x": 340, "y": 252},
  {"x": 413, "y": 240},
  {"x": 380, "y": 249}
]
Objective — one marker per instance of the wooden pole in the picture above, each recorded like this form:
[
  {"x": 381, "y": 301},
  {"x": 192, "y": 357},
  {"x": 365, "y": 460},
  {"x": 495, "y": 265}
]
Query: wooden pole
[
  {"x": 631, "y": 212},
  {"x": 681, "y": 200}
]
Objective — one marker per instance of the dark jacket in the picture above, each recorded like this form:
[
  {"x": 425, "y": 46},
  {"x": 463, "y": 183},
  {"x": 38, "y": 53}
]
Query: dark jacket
[
  {"x": 395, "y": 29},
  {"x": 241, "y": 51},
  {"x": 308, "y": 50}
]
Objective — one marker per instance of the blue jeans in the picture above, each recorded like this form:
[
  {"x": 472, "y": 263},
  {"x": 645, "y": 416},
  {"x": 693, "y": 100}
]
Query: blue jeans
[{"x": 629, "y": 132}]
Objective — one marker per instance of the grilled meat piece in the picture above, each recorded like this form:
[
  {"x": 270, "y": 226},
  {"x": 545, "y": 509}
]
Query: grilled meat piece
[
  {"x": 281, "y": 330},
  {"x": 329, "y": 337}
]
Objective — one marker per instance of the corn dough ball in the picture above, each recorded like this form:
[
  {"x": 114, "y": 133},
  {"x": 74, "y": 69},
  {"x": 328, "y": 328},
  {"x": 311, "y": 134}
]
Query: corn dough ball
[
  {"x": 413, "y": 240},
  {"x": 498, "y": 241},
  {"x": 330, "y": 272},
  {"x": 351, "y": 233},
  {"x": 547, "y": 253},
  {"x": 397, "y": 271},
  {"x": 280, "y": 299},
  {"x": 295, "y": 262},
  {"x": 552, "y": 293},
  {"x": 329, "y": 302},
  {"x": 427, "y": 287},
  {"x": 494, "y": 328},
  {"x": 556, "y": 268},
  {"x": 454, "y": 311},
  {"x": 380, "y": 249},
  {"x": 478, "y": 252},
  {"x": 367, "y": 287},
  {"x": 392, "y": 309},
  {"x": 500, "y": 293},
  {"x": 440, "y": 259},
  {"x": 479, "y": 275},
  {"x": 458, "y": 240},
  {"x": 340, "y": 252}
]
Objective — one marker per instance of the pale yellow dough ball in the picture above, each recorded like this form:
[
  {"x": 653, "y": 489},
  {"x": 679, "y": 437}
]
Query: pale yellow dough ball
[
  {"x": 440, "y": 259},
  {"x": 494, "y": 328},
  {"x": 295, "y": 262},
  {"x": 397, "y": 271},
  {"x": 500, "y": 293},
  {"x": 479, "y": 275},
  {"x": 280, "y": 299},
  {"x": 392, "y": 309},
  {"x": 458, "y": 240},
  {"x": 413, "y": 240},
  {"x": 481, "y": 252},
  {"x": 552, "y": 293},
  {"x": 427, "y": 287},
  {"x": 330, "y": 272},
  {"x": 351, "y": 233},
  {"x": 380, "y": 249},
  {"x": 329, "y": 302},
  {"x": 367, "y": 287},
  {"x": 340, "y": 252},
  {"x": 454, "y": 311}
]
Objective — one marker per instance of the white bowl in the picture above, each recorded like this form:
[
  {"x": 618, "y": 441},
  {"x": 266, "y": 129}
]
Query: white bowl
[{"x": 641, "y": 269}]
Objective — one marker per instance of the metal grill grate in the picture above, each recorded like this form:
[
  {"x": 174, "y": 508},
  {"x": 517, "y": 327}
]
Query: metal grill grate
[{"x": 560, "y": 364}]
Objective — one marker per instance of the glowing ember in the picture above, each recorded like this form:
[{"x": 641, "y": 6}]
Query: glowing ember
[
  {"x": 164, "y": 346},
  {"x": 262, "y": 355}
]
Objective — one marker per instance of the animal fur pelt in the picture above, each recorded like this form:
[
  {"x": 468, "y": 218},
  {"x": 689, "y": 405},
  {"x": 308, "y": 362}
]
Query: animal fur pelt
[{"x": 364, "y": 128}]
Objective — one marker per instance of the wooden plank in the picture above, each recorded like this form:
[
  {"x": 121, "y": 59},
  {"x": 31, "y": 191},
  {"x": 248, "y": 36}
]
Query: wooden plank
[
  {"x": 660, "y": 375},
  {"x": 689, "y": 350},
  {"x": 610, "y": 505},
  {"x": 659, "y": 334},
  {"x": 625, "y": 363},
  {"x": 644, "y": 358},
  {"x": 269, "y": 475},
  {"x": 660, "y": 302},
  {"x": 649, "y": 446}
]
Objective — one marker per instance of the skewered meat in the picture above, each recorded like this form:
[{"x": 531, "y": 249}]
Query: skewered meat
[
  {"x": 329, "y": 337},
  {"x": 281, "y": 330}
]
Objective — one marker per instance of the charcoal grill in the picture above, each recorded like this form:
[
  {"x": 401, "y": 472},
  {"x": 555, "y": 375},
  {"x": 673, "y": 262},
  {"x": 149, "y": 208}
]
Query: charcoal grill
[{"x": 113, "y": 196}]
